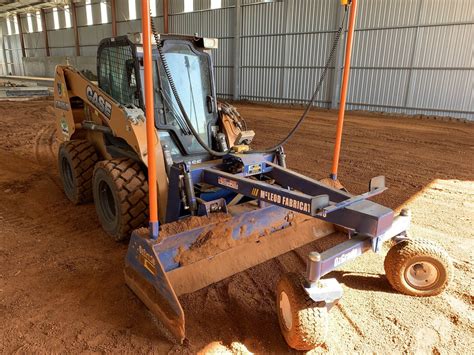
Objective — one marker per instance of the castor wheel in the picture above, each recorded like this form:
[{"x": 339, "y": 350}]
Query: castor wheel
[
  {"x": 303, "y": 322},
  {"x": 418, "y": 267}
]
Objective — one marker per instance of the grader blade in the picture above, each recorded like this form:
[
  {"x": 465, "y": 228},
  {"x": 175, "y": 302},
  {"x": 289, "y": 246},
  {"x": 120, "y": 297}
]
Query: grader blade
[
  {"x": 248, "y": 251},
  {"x": 159, "y": 271}
]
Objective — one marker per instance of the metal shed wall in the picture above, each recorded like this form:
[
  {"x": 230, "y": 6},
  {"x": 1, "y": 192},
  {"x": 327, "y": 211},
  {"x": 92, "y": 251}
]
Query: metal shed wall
[
  {"x": 414, "y": 57},
  {"x": 217, "y": 23},
  {"x": 410, "y": 56}
]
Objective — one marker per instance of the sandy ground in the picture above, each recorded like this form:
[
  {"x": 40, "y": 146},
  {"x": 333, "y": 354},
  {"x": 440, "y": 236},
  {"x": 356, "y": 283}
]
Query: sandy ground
[{"x": 61, "y": 280}]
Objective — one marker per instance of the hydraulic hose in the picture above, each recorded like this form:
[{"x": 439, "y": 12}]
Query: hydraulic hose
[
  {"x": 315, "y": 94},
  {"x": 292, "y": 131},
  {"x": 178, "y": 99}
]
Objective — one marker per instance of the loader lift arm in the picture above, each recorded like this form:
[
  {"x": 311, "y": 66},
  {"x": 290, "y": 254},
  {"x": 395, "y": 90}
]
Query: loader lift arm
[{"x": 104, "y": 113}]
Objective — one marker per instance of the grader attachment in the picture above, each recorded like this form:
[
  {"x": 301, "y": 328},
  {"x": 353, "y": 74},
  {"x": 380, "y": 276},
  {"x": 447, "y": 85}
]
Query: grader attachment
[
  {"x": 278, "y": 219},
  {"x": 268, "y": 210}
]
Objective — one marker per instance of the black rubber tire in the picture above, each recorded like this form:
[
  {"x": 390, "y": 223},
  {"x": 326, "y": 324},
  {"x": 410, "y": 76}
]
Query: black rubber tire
[
  {"x": 310, "y": 320},
  {"x": 408, "y": 253},
  {"x": 120, "y": 190},
  {"x": 76, "y": 161}
]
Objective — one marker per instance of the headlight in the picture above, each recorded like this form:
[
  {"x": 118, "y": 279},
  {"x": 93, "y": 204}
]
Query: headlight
[{"x": 210, "y": 43}]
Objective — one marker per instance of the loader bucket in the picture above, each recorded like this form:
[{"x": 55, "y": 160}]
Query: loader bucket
[{"x": 160, "y": 270}]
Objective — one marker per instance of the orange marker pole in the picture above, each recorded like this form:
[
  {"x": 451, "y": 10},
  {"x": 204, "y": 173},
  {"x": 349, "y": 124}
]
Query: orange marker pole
[
  {"x": 150, "y": 120},
  {"x": 345, "y": 82}
]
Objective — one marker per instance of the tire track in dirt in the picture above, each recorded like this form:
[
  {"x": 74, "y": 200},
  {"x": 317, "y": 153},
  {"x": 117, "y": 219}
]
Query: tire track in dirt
[
  {"x": 45, "y": 154},
  {"x": 350, "y": 319}
]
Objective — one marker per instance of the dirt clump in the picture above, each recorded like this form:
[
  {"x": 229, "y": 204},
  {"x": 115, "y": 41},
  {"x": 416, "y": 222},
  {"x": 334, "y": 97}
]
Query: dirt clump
[
  {"x": 169, "y": 229},
  {"x": 209, "y": 243}
]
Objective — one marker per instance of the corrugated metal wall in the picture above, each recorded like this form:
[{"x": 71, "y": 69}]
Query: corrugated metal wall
[
  {"x": 11, "y": 51},
  {"x": 415, "y": 57},
  {"x": 217, "y": 23},
  {"x": 284, "y": 49},
  {"x": 61, "y": 41},
  {"x": 410, "y": 56}
]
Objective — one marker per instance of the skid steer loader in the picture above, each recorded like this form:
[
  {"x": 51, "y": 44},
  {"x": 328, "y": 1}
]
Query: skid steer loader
[{"x": 223, "y": 207}]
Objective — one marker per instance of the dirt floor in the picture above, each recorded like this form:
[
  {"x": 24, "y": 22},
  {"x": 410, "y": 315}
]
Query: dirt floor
[{"x": 61, "y": 279}]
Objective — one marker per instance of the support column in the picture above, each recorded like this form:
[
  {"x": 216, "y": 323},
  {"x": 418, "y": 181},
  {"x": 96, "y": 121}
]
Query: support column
[
  {"x": 2, "y": 51},
  {"x": 285, "y": 51},
  {"x": 45, "y": 32},
  {"x": 22, "y": 40},
  {"x": 409, "y": 87},
  {"x": 237, "y": 48},
  {"x": 76, "y": 31},
  {"x": 165, "y": 16},
  {"x": 114, "y": 18}
]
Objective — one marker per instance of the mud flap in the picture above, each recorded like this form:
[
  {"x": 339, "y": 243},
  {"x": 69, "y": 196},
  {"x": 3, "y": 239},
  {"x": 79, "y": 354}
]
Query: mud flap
[{"x": 145, "y": 275}]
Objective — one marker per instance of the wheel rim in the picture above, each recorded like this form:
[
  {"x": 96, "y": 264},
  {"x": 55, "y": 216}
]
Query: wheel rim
[
  {"x": 107, "y": 201},
  {"x": 422, "y": 274},
  {"x": 285, "y": 310},
  {"x": 68, "y": 178}
]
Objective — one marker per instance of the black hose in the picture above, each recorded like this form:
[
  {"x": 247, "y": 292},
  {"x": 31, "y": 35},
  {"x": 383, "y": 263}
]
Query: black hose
[
  {"x": 178, "y": 99},
  {"x": 315, "y": 94},
  {"x": 293, "y": 130}
]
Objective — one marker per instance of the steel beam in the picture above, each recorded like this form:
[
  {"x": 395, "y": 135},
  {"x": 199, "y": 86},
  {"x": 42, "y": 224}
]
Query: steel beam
[
  {"x": 165, "y": 16},
  {"x": 22, "y": 40},
  {"x": 409, "y": 108},
  {"x": 114, "y": 18},
  {"x": 2, "y": 51},
  {"x": 237, "y": 48},
  {"x": 76, "y": 32},
  {"x": 45, "y": 32},
  {"x": 285, "y": 50},
  {"x": 277, "y": 34},
  {"x": 408, "y": 89}
]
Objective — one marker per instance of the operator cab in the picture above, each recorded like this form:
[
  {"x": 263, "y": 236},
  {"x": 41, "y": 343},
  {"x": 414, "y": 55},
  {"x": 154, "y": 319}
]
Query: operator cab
[{"x": 188, "y": 61}]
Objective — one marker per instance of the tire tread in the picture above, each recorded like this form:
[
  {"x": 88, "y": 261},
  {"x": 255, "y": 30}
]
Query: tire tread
[
  {"x": 310, "y": 319},
  {"x": 132, "y": 188},
  {"x": 401, "y": 253},
  {"x": 83, "y": 157}
]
